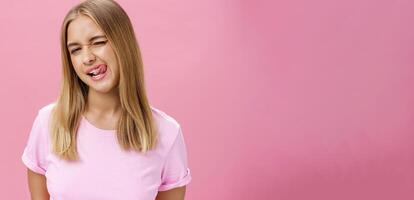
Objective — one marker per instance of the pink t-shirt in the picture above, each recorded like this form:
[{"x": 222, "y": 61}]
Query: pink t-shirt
[{"x": 105, "y": 171}]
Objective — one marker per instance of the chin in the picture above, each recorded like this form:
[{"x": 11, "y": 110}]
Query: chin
[{"x": 103, "y": 90}]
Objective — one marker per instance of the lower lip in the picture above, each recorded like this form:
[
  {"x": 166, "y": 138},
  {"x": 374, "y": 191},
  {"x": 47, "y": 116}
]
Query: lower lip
[{"x": 100, "y": 76}]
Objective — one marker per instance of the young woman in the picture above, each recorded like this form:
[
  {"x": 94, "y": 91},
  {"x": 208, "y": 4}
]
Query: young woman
[{"x": 101, "y": 139}]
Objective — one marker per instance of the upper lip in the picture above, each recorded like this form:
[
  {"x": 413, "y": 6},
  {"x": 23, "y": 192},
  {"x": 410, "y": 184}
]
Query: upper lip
[{"x": 92, "y": 68}]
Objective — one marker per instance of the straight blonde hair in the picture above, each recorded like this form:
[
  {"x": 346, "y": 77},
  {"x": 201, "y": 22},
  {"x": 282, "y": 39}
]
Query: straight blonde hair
[{"x": 136, "y": 127}]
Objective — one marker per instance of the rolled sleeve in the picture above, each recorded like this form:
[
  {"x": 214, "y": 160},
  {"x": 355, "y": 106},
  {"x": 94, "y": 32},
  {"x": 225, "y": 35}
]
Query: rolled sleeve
[
  {"x": 175, "y": 172},
  {"x": 34, "y": 153}
]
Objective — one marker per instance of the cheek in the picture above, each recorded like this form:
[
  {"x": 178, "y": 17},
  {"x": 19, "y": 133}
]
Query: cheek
[
  {"x": 110, "y": 59},
  {"x": 76, "y": 65},
  {"x": 108, "y": 54}
]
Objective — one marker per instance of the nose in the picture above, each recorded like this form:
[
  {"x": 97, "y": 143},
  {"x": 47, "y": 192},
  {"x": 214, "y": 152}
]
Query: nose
[{"x": 88, "y": 57}]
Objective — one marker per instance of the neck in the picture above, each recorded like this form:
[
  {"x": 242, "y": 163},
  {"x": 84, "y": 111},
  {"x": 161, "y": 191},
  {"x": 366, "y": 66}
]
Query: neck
[{"x": 103, "y": 104}]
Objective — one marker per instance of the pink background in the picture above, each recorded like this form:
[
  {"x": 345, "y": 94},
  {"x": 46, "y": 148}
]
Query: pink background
[{"x": 278, "y": 100}]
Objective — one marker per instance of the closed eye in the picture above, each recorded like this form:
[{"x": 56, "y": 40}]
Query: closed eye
[
  {"x": 95, "y": 44},
  {"x": 99, "y": 43},
  {"x": 74, "y": 50}
]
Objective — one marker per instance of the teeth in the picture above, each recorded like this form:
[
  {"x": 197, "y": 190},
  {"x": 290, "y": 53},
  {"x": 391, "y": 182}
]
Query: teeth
[{"x": 95, "y": 71}]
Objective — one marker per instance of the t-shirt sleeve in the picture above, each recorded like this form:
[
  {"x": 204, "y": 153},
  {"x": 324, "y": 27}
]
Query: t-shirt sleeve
[
  {"x": 34, "y": 154},
  {"x": 175, "y": 172}
]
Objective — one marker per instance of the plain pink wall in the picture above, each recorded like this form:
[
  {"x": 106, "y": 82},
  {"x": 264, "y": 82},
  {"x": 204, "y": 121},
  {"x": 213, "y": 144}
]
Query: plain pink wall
[{"x": 278, "y": 99}]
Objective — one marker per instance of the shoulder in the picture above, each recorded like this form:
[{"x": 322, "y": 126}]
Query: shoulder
[
  {"x": 164, "y": 119},
  {"x": 43, "y": 116},
  {"x": 45, "y": 111},
  {"x": 42, "y": 121},
  {"x": 168, "y": 127}
]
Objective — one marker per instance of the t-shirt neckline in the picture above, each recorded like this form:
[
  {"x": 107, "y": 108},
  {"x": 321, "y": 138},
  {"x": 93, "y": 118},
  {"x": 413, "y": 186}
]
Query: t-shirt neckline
[{"x": 90, "y": 125}]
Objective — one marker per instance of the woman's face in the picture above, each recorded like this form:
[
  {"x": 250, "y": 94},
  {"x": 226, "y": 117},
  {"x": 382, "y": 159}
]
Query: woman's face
[{"x": 92, "y": 56}]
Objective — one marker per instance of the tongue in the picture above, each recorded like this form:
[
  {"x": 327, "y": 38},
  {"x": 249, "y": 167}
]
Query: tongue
[{"x": 102, "y": 70}]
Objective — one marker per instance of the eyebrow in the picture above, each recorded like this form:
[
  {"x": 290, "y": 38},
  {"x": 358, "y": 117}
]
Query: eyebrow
[{"x": 92, "y": 38}]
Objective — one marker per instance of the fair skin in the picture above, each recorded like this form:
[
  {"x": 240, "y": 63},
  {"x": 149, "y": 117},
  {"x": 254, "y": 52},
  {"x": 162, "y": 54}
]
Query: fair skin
[{"x": 103, "y": 105}]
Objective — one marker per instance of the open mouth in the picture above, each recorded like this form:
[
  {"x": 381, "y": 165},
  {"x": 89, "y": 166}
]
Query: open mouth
[{"x": 98, "y": 73}]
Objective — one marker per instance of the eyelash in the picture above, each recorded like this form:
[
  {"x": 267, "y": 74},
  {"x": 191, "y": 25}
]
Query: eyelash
[{"x": 96, "y": 43}]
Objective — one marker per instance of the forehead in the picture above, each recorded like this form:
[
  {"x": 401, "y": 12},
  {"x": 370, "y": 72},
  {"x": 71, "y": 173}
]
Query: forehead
[{"x": 82, "y": 28}]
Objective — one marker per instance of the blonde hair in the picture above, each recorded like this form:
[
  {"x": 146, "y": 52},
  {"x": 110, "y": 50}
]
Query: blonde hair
[{"x": 136, "y": 127}]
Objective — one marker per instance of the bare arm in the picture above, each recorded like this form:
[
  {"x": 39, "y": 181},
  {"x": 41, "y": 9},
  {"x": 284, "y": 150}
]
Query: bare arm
[
  {"x": 37, "y": 186},
  {"x": 173, "y": 194}
]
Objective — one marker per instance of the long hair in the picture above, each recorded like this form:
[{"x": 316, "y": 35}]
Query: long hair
[{"x": 136, "y": 128}]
